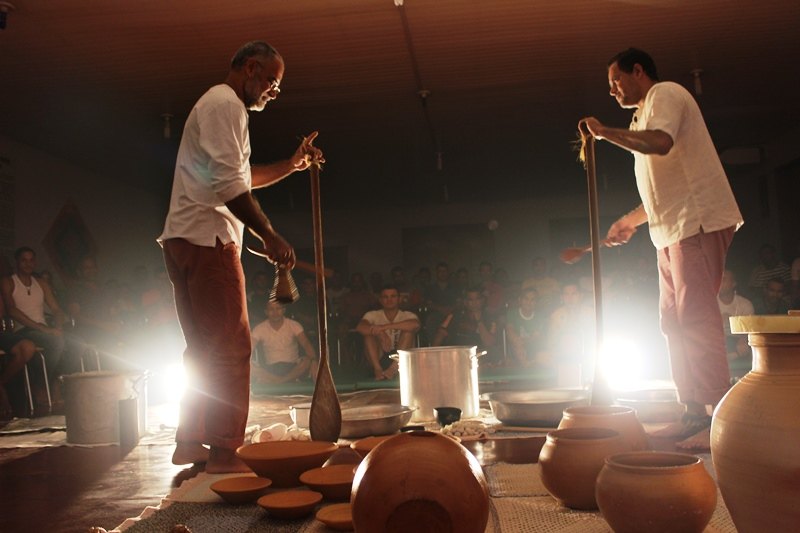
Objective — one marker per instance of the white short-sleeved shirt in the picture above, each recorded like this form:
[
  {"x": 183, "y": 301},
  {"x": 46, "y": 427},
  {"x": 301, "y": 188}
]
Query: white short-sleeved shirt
[
  {"x": 213, "y": 167},
  {"x": 686, "y": 189},
  {"x": 278, "y": 345},
  {"x": 739, "y": 306},
  {"x": 378, "y": 318}
]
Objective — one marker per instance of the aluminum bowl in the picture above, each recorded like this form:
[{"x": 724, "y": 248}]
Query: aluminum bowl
[
  {"x": 373, "y": 420},
  {"x": 538, "y": 408},
  {"x": 652, "y": 405}
]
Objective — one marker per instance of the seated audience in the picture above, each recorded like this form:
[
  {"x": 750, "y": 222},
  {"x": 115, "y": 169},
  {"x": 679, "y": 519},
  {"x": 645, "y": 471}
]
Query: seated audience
[
  {"x": 526, "y": 329},
  {"x": 547, "y": 287},
  {"x": 276, "y": 349},
  {"x": 470, "y": 325},
  {"x": 493, "y": 292},
  {"x": 732, "y": 304},
  {"x": 572, "y": 338},
  {"x": 387, "y": 330},
  {"x": 770, "y": 267},
  {"x": 25, "y": 297},
  {"x": 772, "y": 300},
  {"x": 440, "y": 299},
  {"x": 258, "y": 297},
  {"x": 17, "y": 351}
]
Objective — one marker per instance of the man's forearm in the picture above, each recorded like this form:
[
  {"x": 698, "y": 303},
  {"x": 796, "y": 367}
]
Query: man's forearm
[
  {"x": 266, "y": 175},
  {"x": 246, "y": 208},
  {"x": 644, "y": 142}
]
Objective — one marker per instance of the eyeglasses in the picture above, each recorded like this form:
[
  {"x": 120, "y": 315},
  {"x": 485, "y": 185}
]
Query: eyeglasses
[{"x": 273, "y": 83}]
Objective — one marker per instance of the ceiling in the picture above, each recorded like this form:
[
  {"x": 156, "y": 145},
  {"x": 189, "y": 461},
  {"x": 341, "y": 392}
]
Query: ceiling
[{"x": 507, "y": 81}]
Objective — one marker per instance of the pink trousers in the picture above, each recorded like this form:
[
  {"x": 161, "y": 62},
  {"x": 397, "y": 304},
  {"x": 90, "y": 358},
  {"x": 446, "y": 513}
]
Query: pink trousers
[
  {"x": 211, "y": 303},
  {"x": 690, "y": 273}
]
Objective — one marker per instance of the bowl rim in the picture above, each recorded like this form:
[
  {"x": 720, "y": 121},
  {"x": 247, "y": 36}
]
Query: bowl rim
[
  {"x": 219, "y": 485},
  {"x": 341, "y": 474},
  {"x": 297, "y": 499},
  {"x": 299, "y": 448}
]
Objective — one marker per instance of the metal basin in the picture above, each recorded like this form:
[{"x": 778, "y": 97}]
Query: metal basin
[
  {"x": 374, "y": 420},
  {"x": 534, "y": 408},
  {"x": 652, "y": 405}
]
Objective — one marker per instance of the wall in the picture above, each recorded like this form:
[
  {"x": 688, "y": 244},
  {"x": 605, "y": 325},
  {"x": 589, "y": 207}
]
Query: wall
[{"x": 123, "y": 220}]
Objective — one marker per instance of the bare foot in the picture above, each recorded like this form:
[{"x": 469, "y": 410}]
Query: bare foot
[
  {"x": 391, "y": 371},
  {"x": 699, "y": 442},
  {"x": 687, "y": 426},
  {"x": 224, "y": 461},
  {"x": 187, "y": 453}
]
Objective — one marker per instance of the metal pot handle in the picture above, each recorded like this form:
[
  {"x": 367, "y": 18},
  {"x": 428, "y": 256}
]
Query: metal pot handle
[
  {"x": 478, "y": 355},
  {"x": 394, "y": 357}
]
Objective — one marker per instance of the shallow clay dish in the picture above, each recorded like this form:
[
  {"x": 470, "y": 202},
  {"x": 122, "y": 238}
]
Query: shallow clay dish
[
  {"x": 334, "y": 482},
  {"x": 241, "y": 489},
  {"x": 283, "y": 461},
  {"x": 364, "y": 446},
  {"x": 338, "y": 516},
  {"x": 290, "y": 504}
]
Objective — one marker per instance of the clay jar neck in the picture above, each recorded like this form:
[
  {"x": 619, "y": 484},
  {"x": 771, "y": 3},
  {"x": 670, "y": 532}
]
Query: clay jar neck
[
  {"x": 583, "y": 436},
  {"x": 775, "y": 353},
  {"x": 654, "y": 463}
]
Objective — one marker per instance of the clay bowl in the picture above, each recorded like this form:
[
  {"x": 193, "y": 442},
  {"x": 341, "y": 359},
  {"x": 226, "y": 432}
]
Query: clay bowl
[
  {"x": 333, "y": 482},
  {"x": 655, "y": 492},
  {"x": 571, "y": 459},
  {"x": 290, "y": 504},
  {"x": 241, "y": 489},
  {"x": 345, "y": 455},
  {"x": 616, "y": 417},
  {"x": 364, "y": 446},
  {"x": 420, "y": 481},
  {"x": 283, "y": 461},
  {"x": 447, "y": 415},
  {"x": 338, "y": 516}
]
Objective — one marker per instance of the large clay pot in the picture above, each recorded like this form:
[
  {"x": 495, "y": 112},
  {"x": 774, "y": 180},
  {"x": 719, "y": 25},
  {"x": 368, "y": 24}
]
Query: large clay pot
[
  {"x": 570, "y": 460},
  {"x": 422, "y": 482},
  {"x": 655, "y": 492},
  {"x": 616, "y": 417},
  {"x": 755, "y": 431}
]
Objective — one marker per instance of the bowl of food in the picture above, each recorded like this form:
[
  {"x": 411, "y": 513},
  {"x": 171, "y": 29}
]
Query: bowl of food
[
  {"x": 333, "y": 482},
  {"x": 373, "y": 420},
  {"x": 537, "y": 408},
  {"x": 283, "y": 461},
  {"x": 241, "y": 489}
]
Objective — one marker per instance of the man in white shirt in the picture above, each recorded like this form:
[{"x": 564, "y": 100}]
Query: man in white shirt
[
  {"x": 276, "y": 348},
  {"x": 732, "y": 304},
  {"x": 210, "y": 206},
  {"x": 692, "y": 215},
  {"x": 387, "y": 330}
]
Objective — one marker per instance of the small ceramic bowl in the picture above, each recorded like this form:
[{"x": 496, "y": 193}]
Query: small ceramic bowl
[
  {"x": 447, "y": 415},
  {"x": 338, "y": 516},
  {"x": 241, "y": 489},
  {"x": 283, "y": 461},
  {"x": 364, "y": 446},
  {"x": 290, "y": 504},
  {"x": 333, "y": 482}
]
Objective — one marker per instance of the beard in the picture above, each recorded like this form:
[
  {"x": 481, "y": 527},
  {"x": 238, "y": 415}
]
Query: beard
[{"x": 253, "y": 100}]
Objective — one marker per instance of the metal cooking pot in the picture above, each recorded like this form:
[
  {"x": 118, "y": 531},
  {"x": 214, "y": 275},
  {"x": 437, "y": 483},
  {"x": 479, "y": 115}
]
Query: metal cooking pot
[
  {"x": 442, "y": 376},
  {"x": 534, "y": 408}
]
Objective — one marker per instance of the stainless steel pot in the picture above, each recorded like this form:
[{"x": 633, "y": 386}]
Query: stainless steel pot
[
  {"x": 534, "y": 408},
  {"x": 442, "y": 376}
]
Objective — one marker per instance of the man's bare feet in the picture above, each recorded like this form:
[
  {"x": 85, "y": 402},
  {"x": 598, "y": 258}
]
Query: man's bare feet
[
  {"x": 687, "y": 426},
  {"x": 224, "y": 461},
  {"x": 187, "y": 453},
  {"x": 699, "y": 442}
]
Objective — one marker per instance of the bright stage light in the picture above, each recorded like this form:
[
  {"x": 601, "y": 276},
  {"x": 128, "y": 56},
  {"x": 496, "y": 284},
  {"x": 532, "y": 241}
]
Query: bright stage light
[{"x": 621, "y": 363}]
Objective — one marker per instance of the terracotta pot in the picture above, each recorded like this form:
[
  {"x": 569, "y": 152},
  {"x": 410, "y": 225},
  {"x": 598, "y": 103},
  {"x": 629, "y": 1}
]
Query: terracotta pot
[
  {"x": 655, "y": 492},
  {"x": 421, "y": 482},
  {"x": 616, "y": 417},
  {"x": 755, "y": 431},
  {"x": 570, "y": 460}
]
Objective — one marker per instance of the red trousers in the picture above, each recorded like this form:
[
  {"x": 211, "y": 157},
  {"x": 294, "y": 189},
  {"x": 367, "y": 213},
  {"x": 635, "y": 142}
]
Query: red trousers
[
  {"x": 690, "y": 273},
  {"x": 211, "y": 303}
]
